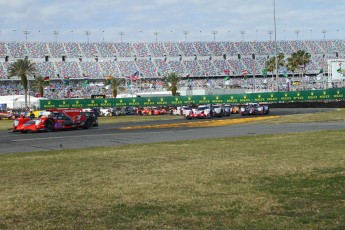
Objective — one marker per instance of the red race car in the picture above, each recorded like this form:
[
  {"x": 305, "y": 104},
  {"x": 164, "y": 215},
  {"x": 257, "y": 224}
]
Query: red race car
[{"x": 56, "y": 119}]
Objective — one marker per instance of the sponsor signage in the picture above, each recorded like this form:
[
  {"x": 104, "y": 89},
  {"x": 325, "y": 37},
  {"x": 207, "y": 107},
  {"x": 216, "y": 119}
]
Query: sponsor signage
[{"x": 269, "y": 97}]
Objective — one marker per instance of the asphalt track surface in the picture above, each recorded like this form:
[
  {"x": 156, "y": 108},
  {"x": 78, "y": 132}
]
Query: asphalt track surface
[{"x": 113, "y": 135}]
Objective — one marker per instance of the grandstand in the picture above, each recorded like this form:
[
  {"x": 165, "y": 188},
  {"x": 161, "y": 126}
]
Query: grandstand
[
  {"x": 205, "y": 67},
  {"x": 154, "y": 60}
]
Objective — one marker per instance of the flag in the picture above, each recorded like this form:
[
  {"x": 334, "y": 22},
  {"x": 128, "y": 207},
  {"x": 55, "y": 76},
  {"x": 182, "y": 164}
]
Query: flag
[
  {"x": 66, "y": 80},
  {"x": 86, "y": 79},
  {"x": 135, "y": 76},
  {"x": 264, "y": 72},
  {"x": 244, "y": 73},
  {"x": 46, "y": 81}
]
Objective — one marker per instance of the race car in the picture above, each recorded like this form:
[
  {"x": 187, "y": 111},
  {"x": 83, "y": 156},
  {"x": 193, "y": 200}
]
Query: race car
[
  {"x": 56, "y": 119},
  {"x": 254, "y": 109},
  {"x": 235, "y": 109},
  {"x": 227, "y": 110},
  {"x": 218, "y": 110},
  {"x": 203, "y": 111}
]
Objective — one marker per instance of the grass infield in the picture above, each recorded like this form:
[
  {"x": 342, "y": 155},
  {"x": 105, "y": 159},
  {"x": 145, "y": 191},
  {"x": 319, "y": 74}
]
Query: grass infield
[{"x": 288, "y": 181}]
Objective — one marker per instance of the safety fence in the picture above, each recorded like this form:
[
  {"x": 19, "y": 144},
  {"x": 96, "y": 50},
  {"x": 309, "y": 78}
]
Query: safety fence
[{"x": 271, "y": 97}]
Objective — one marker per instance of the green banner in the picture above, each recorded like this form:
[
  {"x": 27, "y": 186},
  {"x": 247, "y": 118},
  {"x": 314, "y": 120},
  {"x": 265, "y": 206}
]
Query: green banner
[{"x": 270, "y": 97}]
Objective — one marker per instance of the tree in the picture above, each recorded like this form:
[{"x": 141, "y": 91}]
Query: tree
[
  {"x": 271, "y": 63},
  {"x": 172, "y": 79},
  {"x": 38, "y": 84},
  {"x": 302, "y": 58},
  {"x": 23, "y": 69},
  {"x": 116, "y": 85},
  {"x": 292, "y": 64}
]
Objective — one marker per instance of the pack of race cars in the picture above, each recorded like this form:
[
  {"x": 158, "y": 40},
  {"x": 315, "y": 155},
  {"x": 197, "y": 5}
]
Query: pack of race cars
[
  {"x": 209, "y": 111},
  {"x": 62, "y": 119}
]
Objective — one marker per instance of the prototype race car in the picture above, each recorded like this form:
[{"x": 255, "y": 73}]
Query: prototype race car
[
  {"x": 56, "y": 119},
  {"x": 254, "y": 109},
  {"x": 203, "y": 111}
]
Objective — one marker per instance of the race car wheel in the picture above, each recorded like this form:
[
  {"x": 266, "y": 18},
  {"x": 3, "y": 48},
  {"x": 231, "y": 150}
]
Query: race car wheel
[
  {"x": 49, "y": 125},
  {"x": 88, "y": 124}
]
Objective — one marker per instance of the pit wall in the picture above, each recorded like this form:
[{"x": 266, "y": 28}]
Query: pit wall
[{"x": 272, "y": 97}]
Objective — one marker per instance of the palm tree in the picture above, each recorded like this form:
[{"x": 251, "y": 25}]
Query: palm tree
[
  {"x": 172, "y": 79},
  {"x": 116, "y": 85},
  {"x": 302, "y": 58},
  {"x": 271, "y": 63},
  {"x": 22, "y": 68},
  {"x": 292, "y": 64},
  {"x": 38, "y": 84}
]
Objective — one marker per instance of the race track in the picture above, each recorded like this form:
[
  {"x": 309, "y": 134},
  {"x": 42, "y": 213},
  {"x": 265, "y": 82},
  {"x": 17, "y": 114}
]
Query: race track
[{"x": 113, "y": 135}]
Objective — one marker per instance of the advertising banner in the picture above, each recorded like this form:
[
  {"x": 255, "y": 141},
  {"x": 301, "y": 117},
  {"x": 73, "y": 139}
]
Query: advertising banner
[{"x": 269, "y": 97}]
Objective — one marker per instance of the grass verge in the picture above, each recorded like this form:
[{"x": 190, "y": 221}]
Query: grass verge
[{"x": 289, "y": 181}]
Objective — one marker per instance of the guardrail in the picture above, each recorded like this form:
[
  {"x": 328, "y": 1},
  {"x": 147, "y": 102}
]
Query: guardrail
[{"x": 272, "y": 97}]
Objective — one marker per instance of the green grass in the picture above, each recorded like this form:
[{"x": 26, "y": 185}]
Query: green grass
[{"x": 289, "y": 181}]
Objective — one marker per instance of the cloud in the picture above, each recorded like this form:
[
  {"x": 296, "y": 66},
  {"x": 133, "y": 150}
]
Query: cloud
[{"x": 164, "y": 16}]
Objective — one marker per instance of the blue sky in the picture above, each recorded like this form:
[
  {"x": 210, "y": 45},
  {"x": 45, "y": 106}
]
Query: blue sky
[{"x": 167, "y": 20}]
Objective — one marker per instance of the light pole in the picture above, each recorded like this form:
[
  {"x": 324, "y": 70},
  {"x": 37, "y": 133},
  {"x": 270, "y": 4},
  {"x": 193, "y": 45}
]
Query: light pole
[
  {"x": 275, "y": 42},
  {"x": 26, "y": 32},
  {"x": 156, "y": 34},
  {"x": 186, "y": 32},
  {"x": 121, "y": 34},
  {"x": 242, "y": 33},
  {"x": 88, "y": 33},
  {"x": 270, "y": 32},
  {"x": 297, "y": 32},
  {"x": 324, "y": 34},
  {"x": 214, "y": 32},
  {"x": 72, "y": 35},
  {"x": 254, "y": 83},
  {"x": 56, "y": 33}
]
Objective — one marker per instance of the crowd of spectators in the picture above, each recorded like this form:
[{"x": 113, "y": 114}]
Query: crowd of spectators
[{"x": 57, "y": 89}]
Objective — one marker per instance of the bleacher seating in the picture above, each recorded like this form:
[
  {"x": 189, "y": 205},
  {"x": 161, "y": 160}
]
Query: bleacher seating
[
  {"x": 57, "y": 50},
  {"x": 45, "y": 69},
  {"x": 146, "y": 67},
  {"x": 141, "y": 49},
  {"x": 187, "y": 48},
  {"x": 3, "y": 49},
  {"x": 37, "y": 49},
  {"x": 157, "y": 49},
  {"x": 88, "y": 49},
  {"x": 91, "y": 69},
  {"x": 127, "y": 68},
  {"x": 177, "y": 67},
  {"x": 105, "y": 49},
  {"x": 156, "y": 59},
  {"x": 70, "y": 69},
  {"x": 207, "y": 67},
  {"x": 110, "y": 68},
  {"x": 216, "y": 48},
  {"x": 192, "y": 68},
  {"x": 17, "y": 49},
  {"x": 230, "y": 48},
  {"x": 73, "y": 49},
  {"x": 124, "y": 49},
  {"x": 172, "y": 49},
  {"x": 201, "y": 49},
  {"x": 162, "y": 67}
]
